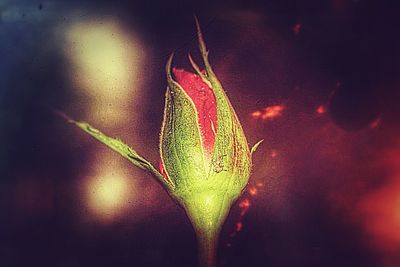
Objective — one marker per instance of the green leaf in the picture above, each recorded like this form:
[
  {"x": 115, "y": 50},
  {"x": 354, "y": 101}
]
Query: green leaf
[{"x": 122, "y": 149}]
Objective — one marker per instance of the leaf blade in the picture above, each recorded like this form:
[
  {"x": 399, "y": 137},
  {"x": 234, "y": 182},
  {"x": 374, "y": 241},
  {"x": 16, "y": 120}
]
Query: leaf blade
[{"x": 124, "y": 150}]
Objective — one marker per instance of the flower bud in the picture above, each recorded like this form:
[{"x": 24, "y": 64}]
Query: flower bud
[
  {"x": 203, "y": 148},
  {"x": 202, "y": 141}
]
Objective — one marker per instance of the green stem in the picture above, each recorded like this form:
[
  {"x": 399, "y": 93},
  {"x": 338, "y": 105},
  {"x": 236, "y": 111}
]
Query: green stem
[
  {"x": 207, "y": 212},
  {"x": 207, "y": 247}
]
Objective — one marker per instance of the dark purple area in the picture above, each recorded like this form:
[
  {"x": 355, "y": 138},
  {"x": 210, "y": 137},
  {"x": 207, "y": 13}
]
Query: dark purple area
[{"x": 354, "y": 42}]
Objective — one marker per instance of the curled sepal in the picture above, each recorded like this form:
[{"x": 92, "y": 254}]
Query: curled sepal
[
  {"x": 255, "y": 146},
  {"x": 125, "y": 151}
]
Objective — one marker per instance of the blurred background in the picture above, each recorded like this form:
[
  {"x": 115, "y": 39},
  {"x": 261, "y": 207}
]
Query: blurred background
[{"x": 318, "y": 80}]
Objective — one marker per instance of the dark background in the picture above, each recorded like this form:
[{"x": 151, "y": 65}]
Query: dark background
[{"x": 323, "y": 201}]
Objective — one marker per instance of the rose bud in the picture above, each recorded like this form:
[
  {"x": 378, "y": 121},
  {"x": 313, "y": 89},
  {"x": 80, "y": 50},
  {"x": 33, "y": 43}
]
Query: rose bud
[
  {"x": 203, "y": 148},
  {"x": 205, "y": 158},
  {"x": 204, "y": 151}
]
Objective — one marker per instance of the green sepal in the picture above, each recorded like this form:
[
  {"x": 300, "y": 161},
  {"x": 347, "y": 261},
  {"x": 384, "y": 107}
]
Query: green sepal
[
  {"x": 124, "y": 150},
  {"x": 181, "y": 147},
  {"x": 255, "y": 146},
  {"x": 231, "y": 161}
]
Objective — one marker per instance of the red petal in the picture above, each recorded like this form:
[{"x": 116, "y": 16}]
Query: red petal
[
  {"x": 163, "y": 173},
  {"x": 204, "y": 100}
]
